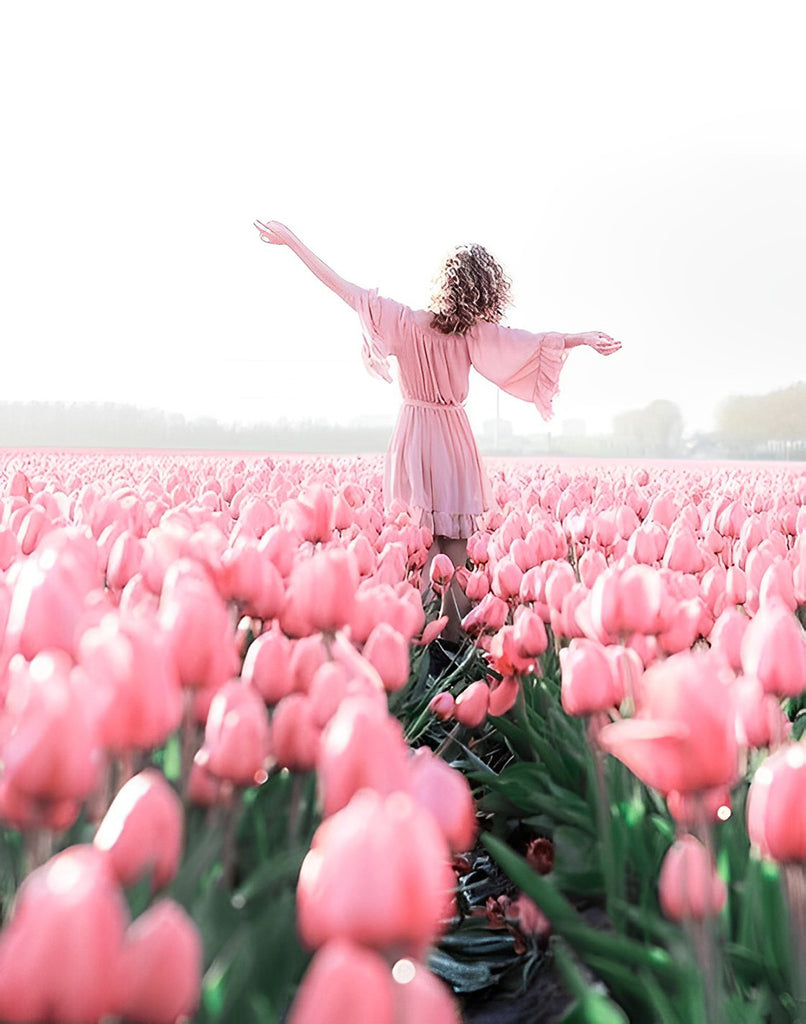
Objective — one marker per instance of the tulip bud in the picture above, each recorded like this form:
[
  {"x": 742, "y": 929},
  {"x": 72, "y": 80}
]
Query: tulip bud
[
  {"x": 159, "y": 975},
  {"x": 141, "y": 832},
  {"x": 441, "y": 573},
  {"x": 776, "y": 822},
  {"x": 237, "y": 741},
  {"x": 60, "y": 950},
  {"x": 774, "y": 649},
  {"x": 295, "y": 733},
  {"x": 267, "y": 667},
  {"x": 443, "y": 706},
  {"x": 688, "y": 885},
  {"x": 388, "y": 652},
  {"x": 588, "y": 681},
  {"x": 362, "y": 745},
  {"x": 378, "y": 872},
  {"x": 472, "y": 705},
  {"x": 446, "y": 793}
]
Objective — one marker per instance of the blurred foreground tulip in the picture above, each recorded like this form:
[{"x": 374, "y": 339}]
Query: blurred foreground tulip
[
  {"x": 589, "y": 683},
  {"x": 60, "y": 951},
  {"x": 141, "y": 833},
  {"x": 347, "y": 982},
  {"x": 776, "y": 816},
  {"x": 378, "y": 873},
  {"x": 158, "y": 980},
  {"x": 237, "y": 740},
  {"x": 688, "y": 885},
  {"x": 683, "y": 737},
  {"x": 362, "y": 746},
  {"x": 446, "y": 793}
]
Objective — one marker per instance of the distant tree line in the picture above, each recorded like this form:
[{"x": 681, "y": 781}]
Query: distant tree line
[
  {"x": 113, "y": 425},
  {"x": 753, "y": 419},
  {"x": 762, "y": 426}
]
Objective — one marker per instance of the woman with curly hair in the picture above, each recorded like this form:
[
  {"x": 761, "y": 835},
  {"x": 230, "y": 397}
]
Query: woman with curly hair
[{"x": 433, "y": 464}]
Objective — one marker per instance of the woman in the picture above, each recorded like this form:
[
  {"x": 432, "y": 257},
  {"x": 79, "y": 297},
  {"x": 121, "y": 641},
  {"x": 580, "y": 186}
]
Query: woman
[{"x": 433, "y": 463}]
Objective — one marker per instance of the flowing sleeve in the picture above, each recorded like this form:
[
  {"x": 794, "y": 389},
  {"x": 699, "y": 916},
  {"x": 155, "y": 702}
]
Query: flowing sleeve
[
  {"x": 382, "y": 324},
  {"x": 523, "y": 364}
]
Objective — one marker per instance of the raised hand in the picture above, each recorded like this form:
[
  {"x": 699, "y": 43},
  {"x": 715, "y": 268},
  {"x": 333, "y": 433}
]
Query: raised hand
[
  {"x": 273, "y": 232},
  {"x": 602, "y": 343}
]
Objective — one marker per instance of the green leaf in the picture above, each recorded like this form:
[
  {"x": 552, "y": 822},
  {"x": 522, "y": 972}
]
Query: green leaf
[{"x": 593, "y": 1008}]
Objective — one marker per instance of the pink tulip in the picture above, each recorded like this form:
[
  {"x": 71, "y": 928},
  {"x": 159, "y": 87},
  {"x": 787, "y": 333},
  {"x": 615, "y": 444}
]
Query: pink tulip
[
  {"x": 295, "y": 733},
  {"x": 777, "y": 585},
  {"x": 59, "y": 952},
  {"x": 312, "y": 514},
  {"x": 504, "y": 655},
  {"x": 388, "y": 652},
  {"x": 446, "y": 793},
  {"x": 683, "y": 737},
  {"x": 529, "y": 634},
  {"x": 129, "y": 660},
  {"x": 267, "y": 666},
  {"x": 441, "y": 573},
  {"x": 159, "y": 974},
  {"x": 443, "y": 706},
  {"x": 477, "y": 586},
  {"x": 141, "y": 833},
  {"x": 50, "y": 590},
  {"x": 377, "y": 872},
  {"x": 506, "y": 579},
  {"x": 196, "y": 620},
  {"x": 627, "y": 602},
  {"x": 432, "y": 631},
  {"x": 321, "y": 592},
  {"x": 683, "y": 552},
  {"x": 489, "y": 614},
  {"x": 681, "y": 626},
  {"x": 345, "y": 982},
  {"x": 774, "y": 650},
  {"x": 472, "y": 705},
  {"x": 51, "y": 747},
  {"x": 700, "y": 808},
  {"x": 237, "y": 742},
  {"x": 727, "y": 635},
  {"x": 588, "y": 681},
  {"x": 125, "y": 559},
  {"x": 503, "y": 695},
  {"x": 688, "y": 885},
  {"x": 280, "y": 546},
  {"x": 760, "y": 719},
  {"x": 477, "y": 548},
  {"x": 247, "y": 576},
  {"x": 362, "y": 745},
  {"x": 560, "y": 581},
  {"x": 776, "y": 822},
  {"x": 419, "y": 996}
]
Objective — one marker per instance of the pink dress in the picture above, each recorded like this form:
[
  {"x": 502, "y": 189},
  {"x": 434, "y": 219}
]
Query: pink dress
[{"x": 433, "y": 463}]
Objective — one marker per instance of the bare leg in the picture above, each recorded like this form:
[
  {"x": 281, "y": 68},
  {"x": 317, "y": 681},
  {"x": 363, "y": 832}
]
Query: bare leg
[{"x": 454, "y": 601}]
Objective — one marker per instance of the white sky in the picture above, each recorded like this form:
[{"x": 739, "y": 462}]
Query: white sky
[{"x": 638, "y": 168}]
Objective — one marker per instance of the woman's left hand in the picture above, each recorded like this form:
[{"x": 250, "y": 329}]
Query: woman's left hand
[{"x": 602, "y": 343}]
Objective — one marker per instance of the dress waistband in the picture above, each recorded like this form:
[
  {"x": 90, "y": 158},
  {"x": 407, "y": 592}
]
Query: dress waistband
[{"x": 420, "y": 404}]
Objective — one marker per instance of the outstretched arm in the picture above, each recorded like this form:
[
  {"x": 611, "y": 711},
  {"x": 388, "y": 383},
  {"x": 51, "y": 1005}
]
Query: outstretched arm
[
  {"x": 279, "y": 234},
  {"x": 598, "y": 340}
]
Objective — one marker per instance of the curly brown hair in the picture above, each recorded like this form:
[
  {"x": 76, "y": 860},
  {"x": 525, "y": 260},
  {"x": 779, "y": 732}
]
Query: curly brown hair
[{"x": 469, "y": 286}]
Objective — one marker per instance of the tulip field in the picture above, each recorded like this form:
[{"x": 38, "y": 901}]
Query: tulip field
[{"x": 244, "y": 778}]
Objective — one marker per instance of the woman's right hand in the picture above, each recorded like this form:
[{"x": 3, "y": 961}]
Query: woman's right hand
[{"x": 273, "y": 232}]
